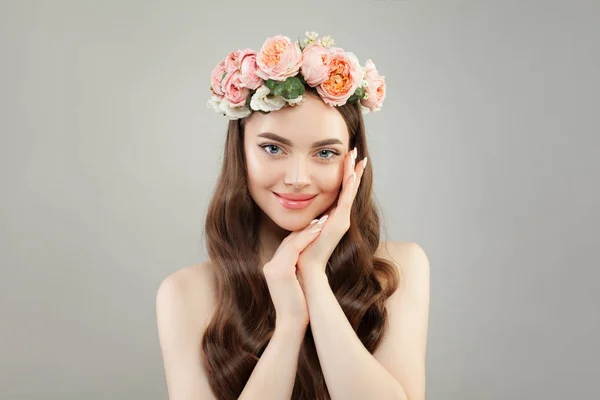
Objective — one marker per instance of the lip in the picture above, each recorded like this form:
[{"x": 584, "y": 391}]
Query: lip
[
  {"x": 295, "y": 202},
  {"x": 296, "y": 197}
]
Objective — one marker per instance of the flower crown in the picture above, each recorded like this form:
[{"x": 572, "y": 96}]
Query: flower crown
[{"x": 267, "y": 80}]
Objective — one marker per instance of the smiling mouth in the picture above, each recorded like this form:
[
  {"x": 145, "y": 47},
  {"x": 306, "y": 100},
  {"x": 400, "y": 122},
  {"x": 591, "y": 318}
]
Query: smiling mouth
[
  {"x": 295, "y": 198},
  {"x": 294, "y": 204}
]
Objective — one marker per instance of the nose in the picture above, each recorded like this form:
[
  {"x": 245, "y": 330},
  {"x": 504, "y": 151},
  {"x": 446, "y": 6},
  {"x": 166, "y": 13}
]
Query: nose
[{"x": 297, "y": 174}]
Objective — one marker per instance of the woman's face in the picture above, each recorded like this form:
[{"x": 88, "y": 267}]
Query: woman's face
[{"x": 284, "y": 158}]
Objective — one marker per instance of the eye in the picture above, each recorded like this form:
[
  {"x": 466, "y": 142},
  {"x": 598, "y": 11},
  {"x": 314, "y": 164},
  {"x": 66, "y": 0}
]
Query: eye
[
  {"x": 333, "y": 154},
  {"x": 325, "y": 154},
  {"x": 266, "y": 146}
]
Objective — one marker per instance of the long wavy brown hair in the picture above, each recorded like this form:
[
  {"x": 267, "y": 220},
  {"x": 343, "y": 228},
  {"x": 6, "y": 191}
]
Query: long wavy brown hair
[{"x": 244, "y": 318}]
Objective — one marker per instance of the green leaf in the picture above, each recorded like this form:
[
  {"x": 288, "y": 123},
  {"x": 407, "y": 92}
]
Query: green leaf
[
  {"x": 270, "y": 83},
  {"x": 249, "y": 99},
  {"x": 291, "y": 88},
  {"x": 299, "y": 76},
  {"x": 294, "y": 87},
  {"x": 357, "y": 95},
  {"x": 277, "y": 90}
]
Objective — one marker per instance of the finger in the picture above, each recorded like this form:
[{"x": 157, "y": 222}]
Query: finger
[
  {"x": 351, "y": 186},
  {"x": 290, "y": 253},
  {"x": 286, "y": 240},
  {"x": 347, "y": 196},
  {"x": 361, "y": 166},
  {"x": 295, "y": 234},
  {"x": 349, "y": 167},
  {"x": 359, "y": 171},
  {"x": 290, "y": 248},
  {"x": 329, "y": 211}
]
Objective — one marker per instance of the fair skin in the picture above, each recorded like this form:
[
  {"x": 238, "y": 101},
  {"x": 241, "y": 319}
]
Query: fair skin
[
  {"x": 186, "y": 299},
  {"x": 299, "y": 167}
]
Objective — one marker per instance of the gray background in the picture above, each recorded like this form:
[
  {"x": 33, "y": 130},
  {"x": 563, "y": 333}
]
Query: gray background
[{"x": 486, "y": 154}]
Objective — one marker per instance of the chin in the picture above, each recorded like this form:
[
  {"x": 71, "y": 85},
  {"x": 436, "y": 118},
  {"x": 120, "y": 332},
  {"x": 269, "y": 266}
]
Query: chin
[{"x": 291, "y": 222}]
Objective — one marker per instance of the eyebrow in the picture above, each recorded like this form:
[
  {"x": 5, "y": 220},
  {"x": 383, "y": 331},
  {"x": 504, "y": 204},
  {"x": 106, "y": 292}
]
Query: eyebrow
[{"x": 287, "y": 142}]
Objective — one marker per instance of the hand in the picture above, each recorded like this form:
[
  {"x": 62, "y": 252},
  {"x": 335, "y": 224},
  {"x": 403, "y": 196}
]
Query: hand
[
  {"x": 314, "y": 258},
  {"x": 280, "y": 274}
]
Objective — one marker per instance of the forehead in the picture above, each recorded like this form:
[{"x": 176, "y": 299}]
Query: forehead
[{"x": 302, "y": 124}]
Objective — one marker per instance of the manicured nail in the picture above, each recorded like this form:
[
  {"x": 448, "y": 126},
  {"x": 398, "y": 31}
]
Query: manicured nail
[
  {"x": 365, "y": 166},
  {"x": 314, "y": 221},
  {"x": 355, "y": 153},
  {"x": 323, "y": 219}
]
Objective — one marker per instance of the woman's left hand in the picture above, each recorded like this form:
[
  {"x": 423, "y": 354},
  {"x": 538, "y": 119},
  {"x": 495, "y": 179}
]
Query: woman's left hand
[{"x": 315, "y": 256}]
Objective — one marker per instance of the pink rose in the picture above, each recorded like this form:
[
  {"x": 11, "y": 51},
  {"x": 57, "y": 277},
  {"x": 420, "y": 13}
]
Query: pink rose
[
  {"x": 216, "y": 78},
  {"x": 278, "y": 59},
  {"x": 315, "y": 64},
  {"x": 336, "y": 50},
  {"x": 344, "y": 77},
  {"x": 376, "y": 88},
  {"x": 232, "y": 61},
  {"x": 235, "y": 93},
  {"x": 248, "y": 69}
]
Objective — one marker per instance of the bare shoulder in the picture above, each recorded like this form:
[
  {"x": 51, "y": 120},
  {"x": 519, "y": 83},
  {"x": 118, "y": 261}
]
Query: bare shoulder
[
  {"x": 189, "y": 292},
  {"x": 196, "y": 282},
  {"x": 184, "y": 305},
  {"x": 410, "y": 259},
  {"x": 403, "y": 350}
]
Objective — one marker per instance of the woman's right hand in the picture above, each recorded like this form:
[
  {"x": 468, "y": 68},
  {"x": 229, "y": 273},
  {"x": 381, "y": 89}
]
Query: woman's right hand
[{"x": 280, "y": 274}]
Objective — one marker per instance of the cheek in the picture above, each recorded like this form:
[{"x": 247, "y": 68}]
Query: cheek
[
  {"x": 258, "y": 171},
  {"x": 332, "y": 182}
]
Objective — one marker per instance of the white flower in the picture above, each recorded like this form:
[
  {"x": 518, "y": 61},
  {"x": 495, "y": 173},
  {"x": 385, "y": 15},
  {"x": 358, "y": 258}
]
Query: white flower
[
  {"x": 327, "y": 41},
  {"x": 234, "y": 112},
  {"x": 311, "y": 36},
  {"x": 214, "y": 103},
  {"x": 297, "y": 100},
  {"x": 262, "y": 101}
]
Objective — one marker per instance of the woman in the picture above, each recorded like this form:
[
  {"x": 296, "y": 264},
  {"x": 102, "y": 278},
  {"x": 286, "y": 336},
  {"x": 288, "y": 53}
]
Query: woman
[{"x": 299, "y": 298}]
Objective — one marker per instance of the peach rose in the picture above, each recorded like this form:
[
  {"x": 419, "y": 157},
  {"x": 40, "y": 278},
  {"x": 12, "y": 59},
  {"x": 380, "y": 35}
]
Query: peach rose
[
  {"x": 345, "y": 75},
  {"x": 376, "y": 88},
  {"x": 216, "y": 79},
  {"x": 248, "y": 69},
  {"x": 278, "y": 59},
  {"x": 315, "y": 64},
  {"x": 235, "y": 93}
]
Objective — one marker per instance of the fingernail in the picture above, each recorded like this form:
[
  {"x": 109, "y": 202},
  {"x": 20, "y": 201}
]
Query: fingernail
[
  {"x": 365, "y": 166},
  {"x": 317, "y": 229},
  {"x": 323, "y": 219},
  {"x": 355, "y": 153},
  {"x": 314, "y": 221}
]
